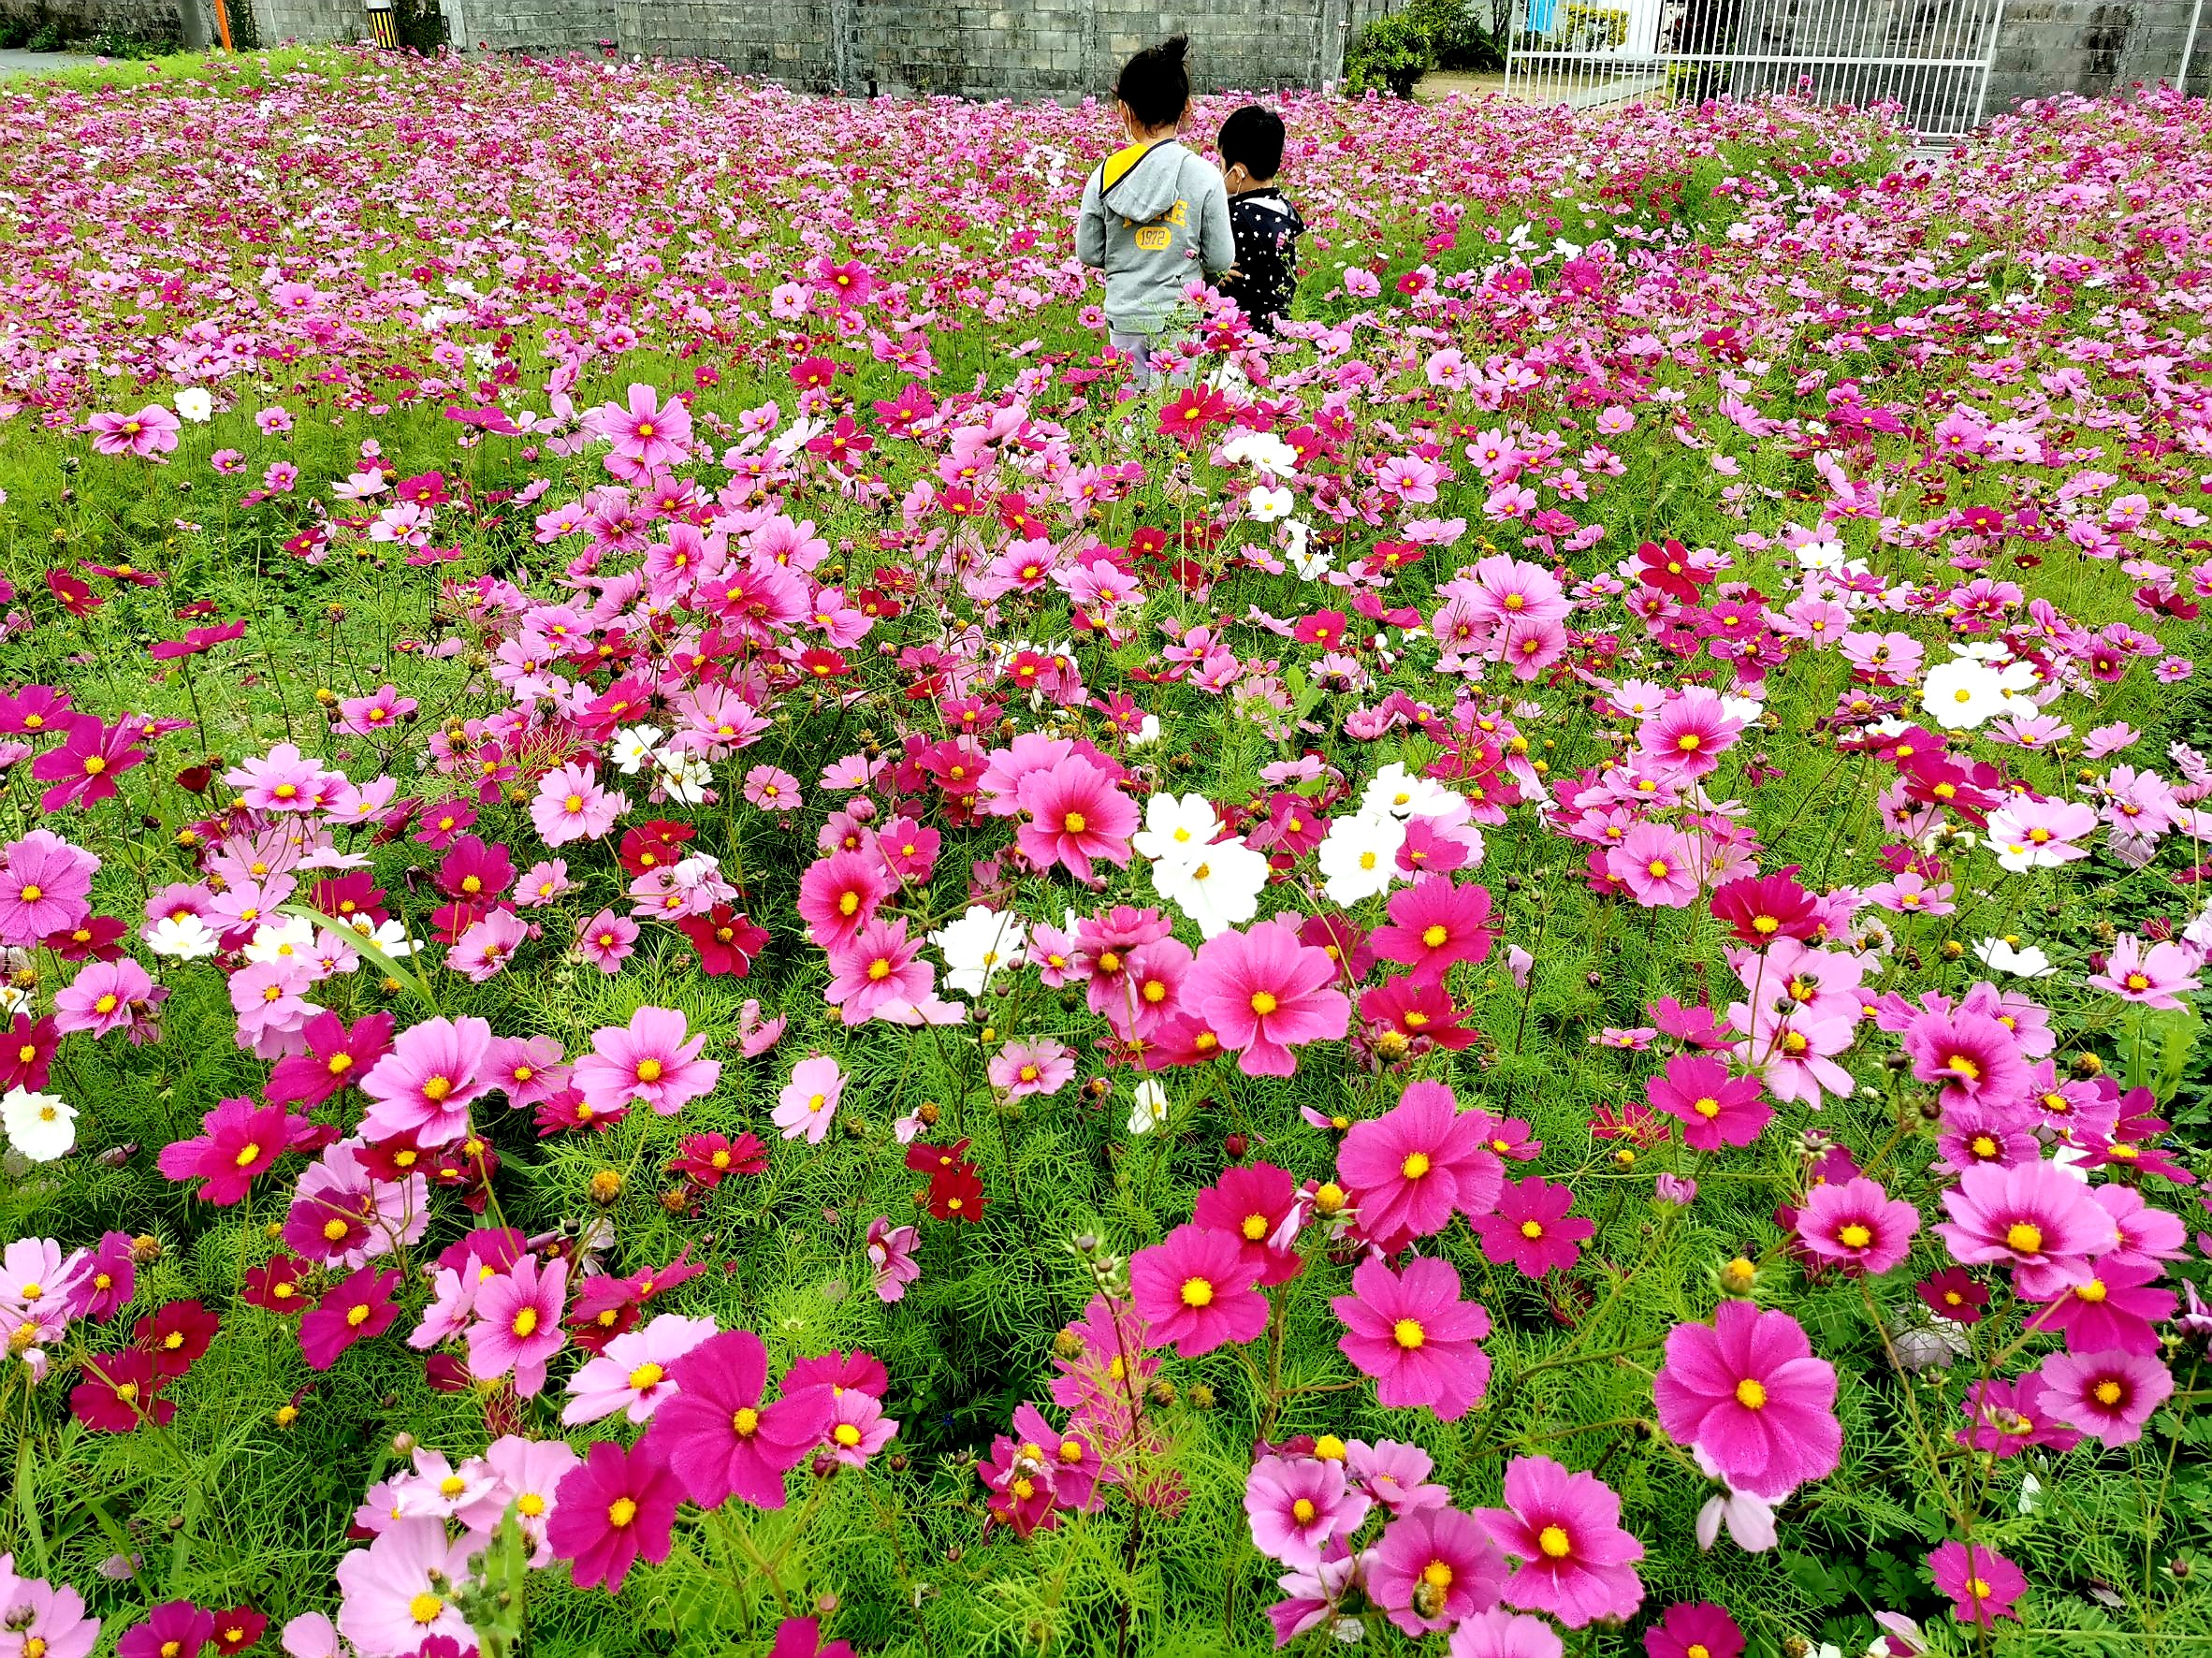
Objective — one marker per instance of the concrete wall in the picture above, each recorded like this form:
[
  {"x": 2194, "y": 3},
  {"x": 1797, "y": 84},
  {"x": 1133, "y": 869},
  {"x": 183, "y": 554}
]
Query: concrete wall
[
  {"x": 529, "y": 25},
  {"x": 2093, "y": 46},
  {"x": 311, "y": 21}
]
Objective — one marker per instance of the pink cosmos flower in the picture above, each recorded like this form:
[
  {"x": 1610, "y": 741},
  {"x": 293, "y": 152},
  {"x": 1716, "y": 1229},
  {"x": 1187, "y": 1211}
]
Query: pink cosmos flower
[
  {"x": 2108, "y": 1396},
  {"x": 365, "y": 716},
  {"x": 649, "y": 1061},
  {"x": 721, "y": 1436},
  {"x": 1688, "y": 734},
  {"x": 1656, "y": 865},
  {"x": 613, "y": 1508},
  {"x": 1072, "y": 813},
  {"x": 808, "y": 1103},
  {"x": 858, "y": 1428},
  {"x": 1500, "y": 1633},
  {"x": 1433, "y": 1568},
  {"x": 2117, "y": 1307},
  {"x": 1857, "y": 1224},
  {"x": 1297, "y": 1508},
  {"x": 1531, "y": 1227},
  {"x": 1713, "y": 1108},
  {"x": 108, "y": 996},
  {"x": 1982, "y": 1584},
  {"x": 423, "y": 1088},
  {"x": 1395, "y": 1475},
  {"x": 771, "y": 788},
  {"x": 1414, "y": 1165},
  {"x": 518, "y": 1325},
  {"x": 648, "y": 435},
  {"x": 1039, "y": 1066},
  {"x": 484, "y": 948},
  {"x": 2033, "y": 1215},
  {"x": 1195, "y": 1291},
  {"x": 48, "y": 1620},
  {"x": 153, "y": 431},
  {"x": 1432, "y": 924},
  {"x": 876, "y": 970},
  {"x": 530, "y": 1473},
  {"x": 839, "y": 895},
  {"x": 91, "y": 756},
  {"x": 1972, "y": 1056},
  {"x": 1748, "y": 1391},
  {"x": 2157, "y": 977},
  {"x": 45, "y": 887},
  {"x": 1411, "y": 1332},
  {"x": 1577, "y": 1562},
  {"x": 1261, "y": 992},
  {"x": 606, "y": 940},
  {"x": 570, "y": 804},
  {"x": 891, "y": 1252}
]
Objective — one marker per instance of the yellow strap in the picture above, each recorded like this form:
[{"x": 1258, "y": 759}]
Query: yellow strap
[{"x": 1118, "y": 164}]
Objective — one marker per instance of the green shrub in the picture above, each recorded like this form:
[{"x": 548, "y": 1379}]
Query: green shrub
[{"x": 1393, "y": 51}]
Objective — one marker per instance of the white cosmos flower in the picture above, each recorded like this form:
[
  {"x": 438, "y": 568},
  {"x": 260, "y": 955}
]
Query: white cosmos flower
[
  {"x": 389, "y": 936},
  {"x": 1266, "y": 505},
  {"x": 1261, "y": 450},
  {"x": 1359, "y": 857},
  {"x": 1963, "y": 693},
  {"x": 684, "y": 777},
  {"x": 1146, "y": 735},
  {"x": 196, "y": 405},
  {"x": 1148, "y": 1106},
  {"x": 292, "y": 938},
  {"x": 42, "y": 1127},
  {"x": 2003, "y": 955},
  {"x": 981, "y": 943},
  {"x": 1176, "y": 826},
  {"x": 632, "y": 747},
  {"x": 1218, "y": 889},
  {"x": 183, "y": 938},
  {"x": 1400, "y": 794}
]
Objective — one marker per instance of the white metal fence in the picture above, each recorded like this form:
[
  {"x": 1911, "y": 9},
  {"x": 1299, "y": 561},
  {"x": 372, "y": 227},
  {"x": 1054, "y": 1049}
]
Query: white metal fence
[{"x": 1930, "y": 56}]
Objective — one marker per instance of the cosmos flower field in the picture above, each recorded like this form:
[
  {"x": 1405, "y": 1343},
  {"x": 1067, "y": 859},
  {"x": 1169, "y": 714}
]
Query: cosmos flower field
[{"x": 712, "y": 952}]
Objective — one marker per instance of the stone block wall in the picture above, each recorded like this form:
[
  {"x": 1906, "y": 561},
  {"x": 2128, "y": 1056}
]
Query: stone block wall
[
  {"x": 80, "y": 19},
  {"x": 2093, "y": 46},
  {"x": 312, "y": 23},
  {"x": 529, "y": 25}
]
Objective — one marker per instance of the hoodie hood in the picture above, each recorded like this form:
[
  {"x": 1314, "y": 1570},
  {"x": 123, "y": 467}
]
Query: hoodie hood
[{"x": 1143, "y": 181}]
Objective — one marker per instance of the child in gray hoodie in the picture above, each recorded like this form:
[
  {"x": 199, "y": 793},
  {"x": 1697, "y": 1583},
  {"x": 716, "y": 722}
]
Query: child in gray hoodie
[{"x": 1153, "y": 216}]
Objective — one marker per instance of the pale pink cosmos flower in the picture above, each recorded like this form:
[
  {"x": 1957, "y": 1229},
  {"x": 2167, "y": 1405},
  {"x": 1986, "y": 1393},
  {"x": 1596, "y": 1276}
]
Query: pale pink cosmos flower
[
  {"x": 399, "y": 1592},
  {"x": 2155, "y": 977},
  {"x": 891, "y": 1252},
  {"x": 543, "y": 883},
  {"x": 606, "y": 940},
  {"x": 570, "y": 805},
  {"x": 631, "y": 1374},
  {"x": 808, "y": 1103},
  {"x": 153, "y": 431},
  {"x": 647, "y": 1061},
  {"x": 481, "y": 954},
  {"x": 530, "y": 1472},
  {"x": 773, "y": 789},
  {"x": 1024, "y": 1068}
]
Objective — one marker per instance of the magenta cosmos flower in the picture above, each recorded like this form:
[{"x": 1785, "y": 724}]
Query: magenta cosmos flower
[
  {"x": 1982, "y": 1584},
  {"x": 1577, "y": 1562},
  {"x": 1713, "y": 1108},
  {"x": 1411, "y": 1332},
  {"x": 1433, "y": 1568},
  {"x": 721, "y": 1436},
  {"x": 612, "y": 1508},
  {"x": 1262, "y": 991},
  {"x": 1747, "y": 1390},
  {"x": 1195, "y": 1291},
  {"x": 2035, "y": 1216},
  {"x": 1689, "y": 732},
  {"x": 1694, "y": 1629},
  {"x": 1432, "y": 924},
  {"x": 153, "y": 431},
  {"x": 1411, "y": 1167},
  {"x": 242, "y": 1141},
  {"x": 1857, "y": 1225},
  {"x": 1531, "y": 1227},
  {"x": 1298, "y": 1505},
  {"x": 517, "y": 1323},
  {"x": 360, "y": 1309},
  {"x": 423, "y": 1088},
  {"x": 2108, "y": 1396},
  {"x": 647, "y": 1061}
]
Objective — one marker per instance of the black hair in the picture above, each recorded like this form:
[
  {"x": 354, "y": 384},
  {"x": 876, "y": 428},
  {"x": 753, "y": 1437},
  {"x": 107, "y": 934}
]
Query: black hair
[
  {"x": 1155, "y": 83},
  {"x": 1253, "y": 136}
]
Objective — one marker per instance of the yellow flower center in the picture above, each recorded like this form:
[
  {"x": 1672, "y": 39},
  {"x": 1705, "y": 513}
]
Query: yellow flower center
[
  {"x": 1554, "y": 1542},
  {"x": 1198, "y": 1292},
  {"x": 526, "y": 1321},
  {"x": 2024, "y": 1236},
  {"x": 425, "y": 1608},
  {"x": 1855, "y": 1236},
  {"x": 1751, "y": 1393},
  {"x": 1264, "y": 1003},
  {"x": 1408, "y": 1333},
  {"x": 645, "y": 1376},
  {"x": 621, "y": 1511}
]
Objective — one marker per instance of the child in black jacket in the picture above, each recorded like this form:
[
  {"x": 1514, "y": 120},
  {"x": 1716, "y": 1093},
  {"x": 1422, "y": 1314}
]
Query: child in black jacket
[{"x": 1267, "y": 226}]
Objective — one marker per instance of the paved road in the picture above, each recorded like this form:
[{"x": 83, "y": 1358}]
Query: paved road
[{"x": 41, "y": 63}]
